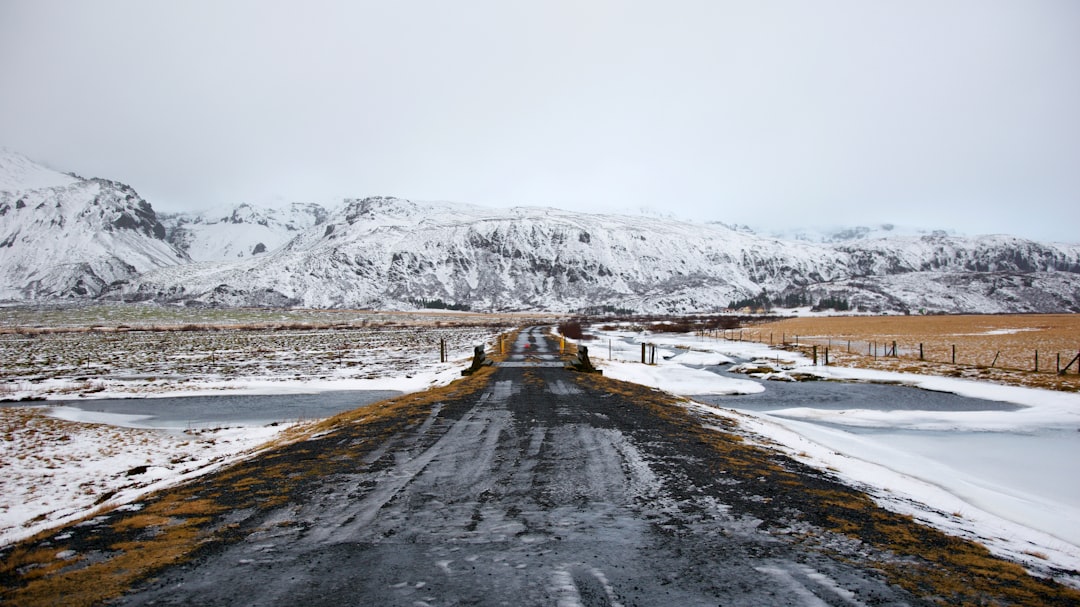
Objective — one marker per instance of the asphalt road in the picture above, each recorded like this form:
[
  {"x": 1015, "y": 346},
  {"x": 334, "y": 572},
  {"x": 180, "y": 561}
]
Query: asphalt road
[{"x": 537, "y": 490}]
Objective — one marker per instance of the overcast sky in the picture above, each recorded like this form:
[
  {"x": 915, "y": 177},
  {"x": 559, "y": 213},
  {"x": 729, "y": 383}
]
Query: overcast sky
[{"x": 958, "y": 114}]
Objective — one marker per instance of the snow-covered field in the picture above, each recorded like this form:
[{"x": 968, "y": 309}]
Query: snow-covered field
[
  {"x": 57, "y": 470},
  {"x": 1005, "y": 478},
  {"x": 58, "y": 463},
  {"x": 1002, "y": 477}
]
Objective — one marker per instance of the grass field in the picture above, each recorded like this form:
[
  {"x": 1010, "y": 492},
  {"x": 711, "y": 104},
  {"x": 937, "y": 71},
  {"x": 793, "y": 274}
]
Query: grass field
[
  {"x": 105, "y": 317},
  {"x": 994, "y": 347},
  {"x": 73, "y": 351}
]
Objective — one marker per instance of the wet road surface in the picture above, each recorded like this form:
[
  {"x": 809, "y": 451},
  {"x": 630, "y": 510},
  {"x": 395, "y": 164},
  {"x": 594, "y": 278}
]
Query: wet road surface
[{"x": 538, "y": 492}]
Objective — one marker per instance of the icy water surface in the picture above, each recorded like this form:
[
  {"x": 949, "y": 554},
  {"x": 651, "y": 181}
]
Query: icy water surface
[
  {"x": 831, "y": 395},
  {"x": 186, "y": 411},
  {"x": 1024, "y": 475}
]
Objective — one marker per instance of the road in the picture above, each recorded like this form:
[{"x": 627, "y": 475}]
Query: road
[
  {"x": 526, "y": 484},
  {"x": 539, "y": 493}
]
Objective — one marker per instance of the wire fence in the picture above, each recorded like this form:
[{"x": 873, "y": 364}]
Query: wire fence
[{"x": 1007, "y": 356}]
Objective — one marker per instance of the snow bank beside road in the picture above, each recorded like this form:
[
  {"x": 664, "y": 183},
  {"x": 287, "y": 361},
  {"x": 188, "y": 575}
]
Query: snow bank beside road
[
  {"x": 678, "y": 379},
  {"x": 932, "y": 465},
  {"x": 60, "y": 462},
  {"x": 1025, "y": 527},
  {"x": 56, "y": 470}
]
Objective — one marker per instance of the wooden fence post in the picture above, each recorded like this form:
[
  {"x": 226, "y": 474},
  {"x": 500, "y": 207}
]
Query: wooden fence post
[
  {"x": 1070, "y": 363},
  {"x": 921, "y": 352},
  {"x": 1036, "y": 361},
  {"x": 954, "y": 354},
  {"x": 815, "y": 356},
  {"x": 643, "y": 354}
]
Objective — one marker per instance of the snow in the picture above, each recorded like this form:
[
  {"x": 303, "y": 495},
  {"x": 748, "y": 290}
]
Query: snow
[
  {"x": 382, "y": 252},
  {"x": 413, "y": 381},
  {"x": 64, "y": 241},
  {"x": 1002, "y": 331},
  {"x": 56, "y": 470},
  {"x": 1017, "y": 524},
  {"x": 677, "y": 379},
  {"x": 218, "y": 235},
  {"x": 1001, "y": 477},
  {"x": 374, "y": 250},
  {"x": 1043, "y": 409},
  {"x": 60, "y": 462},
  {"x": 18, "y": 173}
]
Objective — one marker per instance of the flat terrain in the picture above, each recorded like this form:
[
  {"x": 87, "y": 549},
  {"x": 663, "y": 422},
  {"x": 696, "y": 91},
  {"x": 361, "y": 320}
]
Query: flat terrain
[
  {"x": 998, "y": 348},
  {"x": 54, "y": 469},
  {"x": 134, "y": 350},
  {"x": 523, "y": 485}
]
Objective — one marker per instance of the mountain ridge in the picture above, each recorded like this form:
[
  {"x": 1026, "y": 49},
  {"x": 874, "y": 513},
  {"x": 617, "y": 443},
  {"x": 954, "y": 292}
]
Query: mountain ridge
[
  {"x": 214, "y": 236},
  {"x": 388, "y": 252},
  {"x": 65, "y": 237}
]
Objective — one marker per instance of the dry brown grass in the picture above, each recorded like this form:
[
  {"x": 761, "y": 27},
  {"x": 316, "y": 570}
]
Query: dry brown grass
[
  {"x": 55, "y": 581},
  {"x": 995, "y": 347},
  {"x": 30, "y": 321}
]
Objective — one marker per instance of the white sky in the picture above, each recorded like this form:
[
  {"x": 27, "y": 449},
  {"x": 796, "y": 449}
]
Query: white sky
[{"x": 958, "y": 114}]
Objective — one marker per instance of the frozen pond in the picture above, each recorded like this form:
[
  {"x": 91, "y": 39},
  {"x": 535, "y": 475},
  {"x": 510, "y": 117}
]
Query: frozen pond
[
  {"x": 211, "y": 410},
  {"x": 1039, "y": 463},
  {"x": 830, "y": 395},
  {"x": 1025, "y": 474}
]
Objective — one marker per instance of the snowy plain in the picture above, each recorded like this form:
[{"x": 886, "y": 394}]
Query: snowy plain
[
  {"x": 1005, "y": 477},
  {"x": 1001, "y": 477},
  {"x": 58, "y": 463}
]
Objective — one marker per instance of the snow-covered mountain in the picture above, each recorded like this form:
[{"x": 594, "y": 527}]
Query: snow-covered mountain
[
  {"x": 243, "y": 231},
  {"x": 19, "y": 173},
  {"x": 841, "y": 234},
  {"x": 63, "y": 236},
  {"x": 386, "y": 252},
  {"x": 383, "y": 251}
]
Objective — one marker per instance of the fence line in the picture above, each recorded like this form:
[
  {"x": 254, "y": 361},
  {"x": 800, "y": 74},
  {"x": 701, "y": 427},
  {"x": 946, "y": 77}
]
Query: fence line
[{"x": 921, "y": 351}]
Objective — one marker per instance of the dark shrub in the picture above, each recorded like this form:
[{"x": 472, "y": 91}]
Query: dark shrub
[{"x": 571, "y": 329}]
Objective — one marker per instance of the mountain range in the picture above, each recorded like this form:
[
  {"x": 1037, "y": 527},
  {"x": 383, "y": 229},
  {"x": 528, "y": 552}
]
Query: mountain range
[{"x": 63, "y": 237}]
